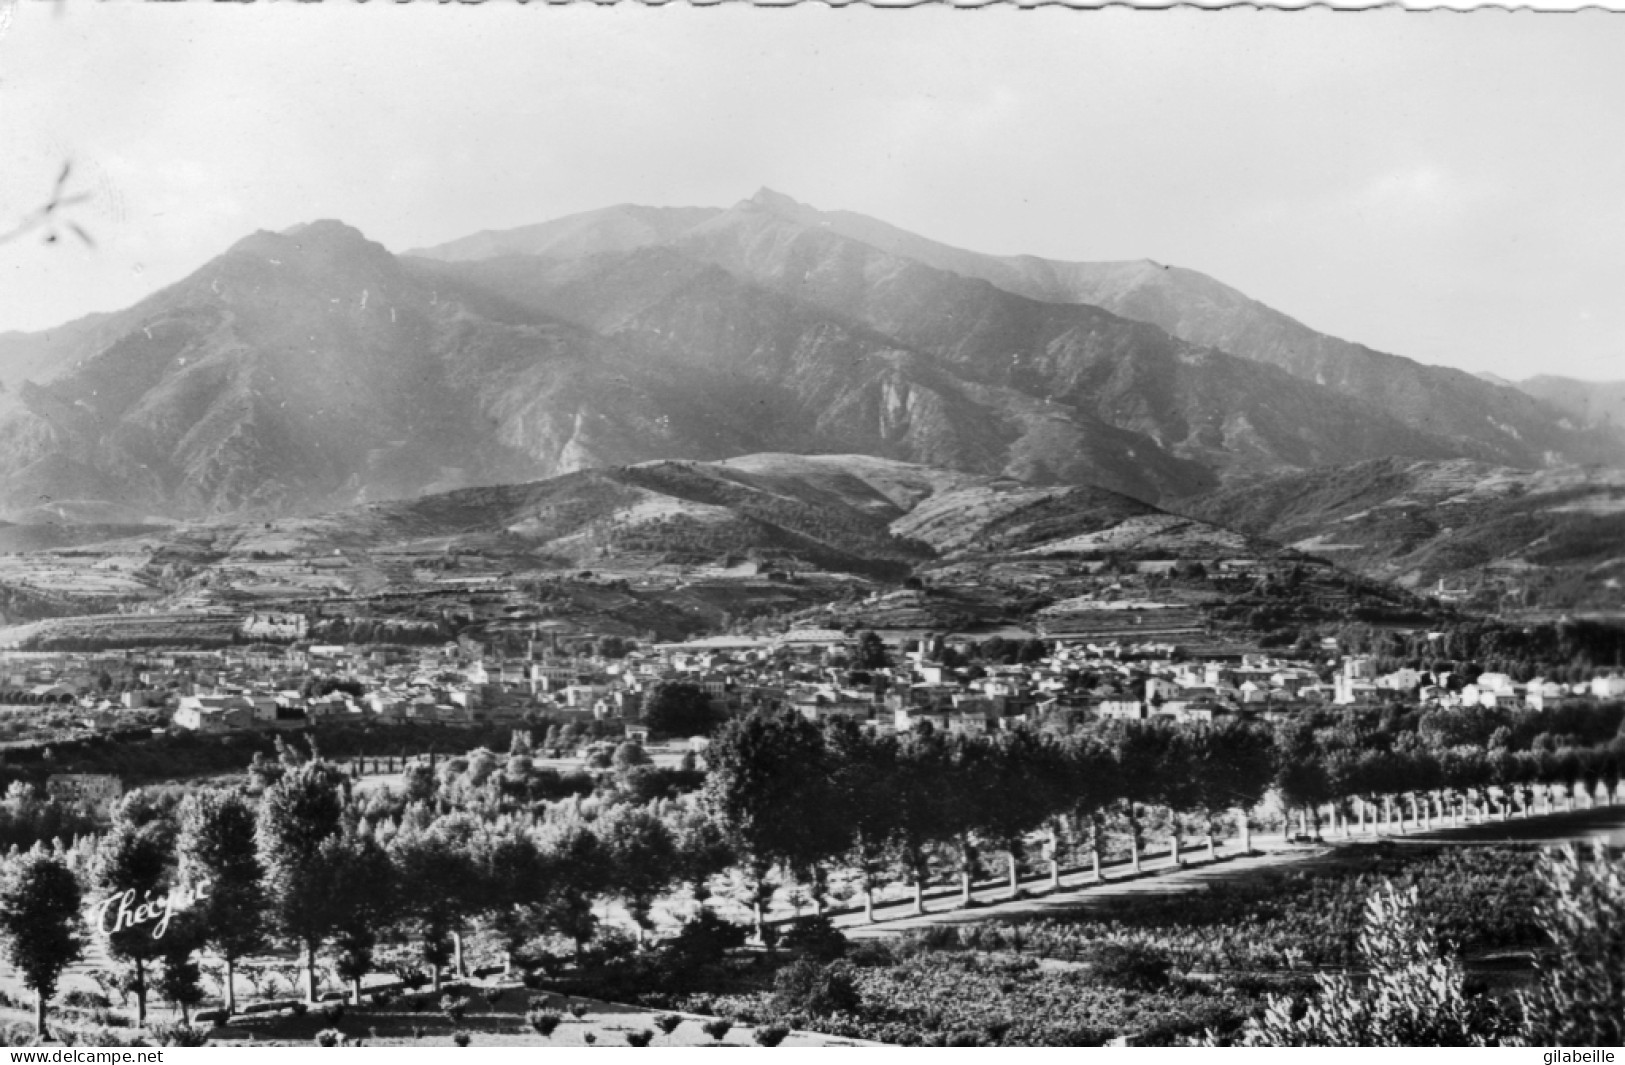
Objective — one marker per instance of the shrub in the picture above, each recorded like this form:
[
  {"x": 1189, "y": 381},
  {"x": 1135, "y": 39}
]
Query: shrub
[
  {"x": 705, "y": 940},
  {"x": 577, "y": 1010},
  {"x": 80, "y": 999},
  {"x": 639, "y": 1039},
  {"x": 1414, "y": 995},
  {"x": 816, "y": 937},
  {"x": 871, "y": 954},
  {"x": 1579, "y": 995},
  {"x": 808, "y": 987},
  {"x": 461, "y": 1038},
  {"x": 299, "y": 1009},
  {"x": 1134, "y": 966},
  {"x": 667, "y": 1023},
  {"x": 179, "y": 1035},
  {"x": 329, "y": 1037},
  {"x": 771, "y": 1035},
  {"x": 544, "y": 1021},
  {"x": 717, "y": 1029},
  {"x": 454, "y": 1008}
]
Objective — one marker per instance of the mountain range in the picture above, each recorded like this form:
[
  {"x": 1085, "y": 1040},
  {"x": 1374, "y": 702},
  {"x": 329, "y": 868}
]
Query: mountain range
[{"x": 313, "y": 369}]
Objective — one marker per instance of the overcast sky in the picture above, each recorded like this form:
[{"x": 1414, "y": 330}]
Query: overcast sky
[{"x": 1447, "y": 187}]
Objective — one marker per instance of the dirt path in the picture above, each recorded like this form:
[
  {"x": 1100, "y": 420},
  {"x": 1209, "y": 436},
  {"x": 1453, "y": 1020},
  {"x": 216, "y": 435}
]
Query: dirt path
[{"x": 1077, "y": 890}]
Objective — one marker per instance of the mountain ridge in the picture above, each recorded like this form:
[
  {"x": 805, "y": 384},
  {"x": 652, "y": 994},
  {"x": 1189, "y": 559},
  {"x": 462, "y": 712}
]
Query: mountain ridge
[
  {"x": 312, "y": 368},
  {"x": 1497, "y": 421}
]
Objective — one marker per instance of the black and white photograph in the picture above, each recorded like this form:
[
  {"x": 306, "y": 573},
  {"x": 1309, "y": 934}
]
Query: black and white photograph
[{"x": 573, "y": 525}]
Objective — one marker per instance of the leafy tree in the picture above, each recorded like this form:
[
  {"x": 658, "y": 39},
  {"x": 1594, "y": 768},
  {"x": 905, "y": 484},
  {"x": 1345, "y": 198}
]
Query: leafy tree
[
  {"x": 216, "y": 846},
  {"x": 39, "y": 923},
  {"x": 363, "y": 902},
  {"x": 179, "y": 977},
  {"x": 1145, "y": 769},
  {"x": 435, "y": 871},
  {"x": 1231, "y": 767},
  {"x": 297, "y": 814},
  {"x": 131, "y": 865},
  {"x": 1025, "y": 785},
  {"x": 628, "y": 756},
  {"x": 920, "y": 796},
  {"x": 1300, "y": 774},
  {"x": 769, "y": 789},
  {"x": 871, "y": 652},
  {"x": 420, "y": 783},
  {"x": 642, "y": 858},
  {"x": 968, "y": 795},
  {"x": 703, "y": 850},
  {"x": 515, "y": 883},
  {"x": 864, "y": 765},
  {"x": 679, "y": 710},
  {"x": 578, "y": 869}
]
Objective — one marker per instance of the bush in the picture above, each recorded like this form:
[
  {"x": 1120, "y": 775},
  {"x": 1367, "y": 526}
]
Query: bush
[
  {"x": 667, "y": 1023},
  {"x": 816, "y": 937},
  {"x": 454, "y": 1008},
  {"x": 871, "y": 954},
  {"x": 461, "y": 1038},
  {"x": 544, "y": 1021},
  {"x": 639, "y": 1039},
  {"x": 179, "y": 1035},
  {"x": 771, "y": 1035},
  {"x": 329, "y": 1037},
  {"x": 19, "y": 1035},
  {"x": 80, "y": 999},
  {"x": 717, "y": 1029},
  {"x": 705, "y": 940},
  {"x": 808, "y": 987},
  {"x": 1134, "y": 966}
]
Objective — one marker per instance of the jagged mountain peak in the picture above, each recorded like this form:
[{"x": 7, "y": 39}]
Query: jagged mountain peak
[
  {"x": 323, "y": 241},
  {"x": 773, "y": 200}
]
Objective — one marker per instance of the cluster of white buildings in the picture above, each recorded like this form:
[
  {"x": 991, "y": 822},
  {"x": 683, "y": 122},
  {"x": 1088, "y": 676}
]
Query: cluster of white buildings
[{"x": 815, "y": 672}]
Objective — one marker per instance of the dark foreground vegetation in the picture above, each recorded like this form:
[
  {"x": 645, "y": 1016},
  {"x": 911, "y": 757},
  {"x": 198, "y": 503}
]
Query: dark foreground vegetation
[{"x": 477, "y": 855}]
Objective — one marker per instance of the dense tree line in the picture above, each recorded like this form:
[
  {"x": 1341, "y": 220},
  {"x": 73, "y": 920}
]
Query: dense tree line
[{"x": 351, "y": 880}]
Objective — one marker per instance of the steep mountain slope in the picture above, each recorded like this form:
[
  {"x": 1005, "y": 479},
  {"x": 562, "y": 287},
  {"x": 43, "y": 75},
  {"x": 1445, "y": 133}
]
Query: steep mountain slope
[
  {"x": 907, "y": 361},
  {"x": 1476, "y": 418},
  {"x": 1480, "y": 419},
  {"x": 312, "y": 369},
  {"x": 804, "y": 377},
  {"x": 1544, "y": 538},
  {"x": 307, "y": 368}
]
